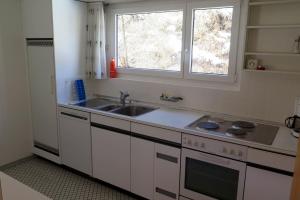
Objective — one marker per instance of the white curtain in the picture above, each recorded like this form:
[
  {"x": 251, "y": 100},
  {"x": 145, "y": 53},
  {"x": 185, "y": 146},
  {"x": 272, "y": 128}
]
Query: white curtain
[{"x": 96, "y": 56}]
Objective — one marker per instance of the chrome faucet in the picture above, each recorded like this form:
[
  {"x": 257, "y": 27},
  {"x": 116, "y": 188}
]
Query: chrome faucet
[{"x": 123, "y": 96}]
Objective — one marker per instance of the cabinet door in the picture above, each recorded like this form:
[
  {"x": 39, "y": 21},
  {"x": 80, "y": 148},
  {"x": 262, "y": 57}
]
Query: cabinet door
[
  {"x": 43, "y": 97},
  {"x": 75, "y": 140},
  {"x": 266, "y": 185},
  {"x": 111, "y": 157},
  {"x": 166, "y": 172},
  {"x": 37, "y": 18},
  {"x": 142, "y": 167}
]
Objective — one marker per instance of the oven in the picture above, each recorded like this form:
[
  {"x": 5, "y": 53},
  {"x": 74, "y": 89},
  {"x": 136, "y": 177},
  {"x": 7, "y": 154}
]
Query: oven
[{"x": 208, "y": 177}]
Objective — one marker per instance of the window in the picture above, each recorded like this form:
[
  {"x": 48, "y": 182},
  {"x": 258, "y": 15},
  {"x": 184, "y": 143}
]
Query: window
[
  {"x": 150, "y": 40},
  {"x": 211, "y": 40},
  {"x": 194, "y": 40}
]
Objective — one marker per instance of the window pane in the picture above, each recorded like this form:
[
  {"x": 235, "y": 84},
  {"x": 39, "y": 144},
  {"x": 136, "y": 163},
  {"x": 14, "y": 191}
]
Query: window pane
[
  {"x": 150, "y": 40},
  {"x": 211, "y": 40}
]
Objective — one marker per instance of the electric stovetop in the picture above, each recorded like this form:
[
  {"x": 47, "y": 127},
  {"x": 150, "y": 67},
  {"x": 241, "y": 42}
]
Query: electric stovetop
[{"x": 244, "y": 130}]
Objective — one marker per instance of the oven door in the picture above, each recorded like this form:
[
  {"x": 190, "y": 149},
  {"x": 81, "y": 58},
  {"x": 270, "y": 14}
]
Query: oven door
[{"x": 209, "y": 177}]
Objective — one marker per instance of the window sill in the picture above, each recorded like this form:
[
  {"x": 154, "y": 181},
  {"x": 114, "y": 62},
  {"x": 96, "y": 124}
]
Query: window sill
[{"x": 150, "y": 72}]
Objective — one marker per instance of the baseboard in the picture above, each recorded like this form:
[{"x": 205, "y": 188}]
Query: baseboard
[{"x": 46, "y": 155}]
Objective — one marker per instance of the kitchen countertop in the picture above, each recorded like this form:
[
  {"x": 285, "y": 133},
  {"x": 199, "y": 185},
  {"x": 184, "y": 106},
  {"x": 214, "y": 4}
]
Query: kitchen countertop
[
  {"x": 178, "y": 119},
  {"x": 12, "y": 189}
]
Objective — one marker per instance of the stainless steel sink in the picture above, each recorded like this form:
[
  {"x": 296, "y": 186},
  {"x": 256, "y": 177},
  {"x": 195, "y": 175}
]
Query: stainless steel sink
[
  {"x": 114, "y": 107},
  {"x": 133, "y": 110},
  {"x": 94, "y": 103},
  {"x": 108, "y": 107}
]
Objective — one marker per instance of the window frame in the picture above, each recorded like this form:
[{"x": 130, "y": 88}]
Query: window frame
[
  {"x": 187, "y": 8},
  {"x": 233, "y": 54},
  {"x": 144, "y": 7}
]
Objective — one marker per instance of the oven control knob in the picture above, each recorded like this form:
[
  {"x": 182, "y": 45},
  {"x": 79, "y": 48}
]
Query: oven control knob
[
  {"x": 202, "y": 145},
  {"x": 240, "y": 153},
  {"x": 196, "y": 144}
]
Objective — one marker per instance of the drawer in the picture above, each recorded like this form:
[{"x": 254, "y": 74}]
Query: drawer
[
  {"x": 74, "y": 114},
  {"x": 274, "y": 160},
  {"x": 110, "y": 121},
  {"x": 159, "y": 133}
]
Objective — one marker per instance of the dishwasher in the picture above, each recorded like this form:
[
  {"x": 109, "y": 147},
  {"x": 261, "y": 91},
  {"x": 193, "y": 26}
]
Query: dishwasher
[{"x": 75, "y": 139}]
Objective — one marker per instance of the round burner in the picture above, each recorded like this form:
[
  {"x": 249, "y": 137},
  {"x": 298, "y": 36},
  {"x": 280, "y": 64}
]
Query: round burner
[
  {"x": 236, "y": 132},
  {"x": 208, "y": 125},
  {"x": 243, "y": 124}
]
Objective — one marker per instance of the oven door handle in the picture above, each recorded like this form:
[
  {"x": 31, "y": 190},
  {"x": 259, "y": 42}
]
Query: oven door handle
[
  {"x": 220, "y": 161},
  {"x": 214, "y": 159}
]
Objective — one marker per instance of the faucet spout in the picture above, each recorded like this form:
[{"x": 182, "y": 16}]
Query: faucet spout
[{"x": 123, "y": 97}]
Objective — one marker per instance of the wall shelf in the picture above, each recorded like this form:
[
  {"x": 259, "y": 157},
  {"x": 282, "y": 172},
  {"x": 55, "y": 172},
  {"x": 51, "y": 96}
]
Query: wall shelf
[
  {"x": 259, "y": 3},
  {"x": 273, "y": 29},
  {"x": 274, "y": 26},
  {"x": 271, "y": 54},
  {"x": 272, "y": 71}
]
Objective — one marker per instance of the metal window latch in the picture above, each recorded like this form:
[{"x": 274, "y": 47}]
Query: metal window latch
[{"x": 165, "y": 97}]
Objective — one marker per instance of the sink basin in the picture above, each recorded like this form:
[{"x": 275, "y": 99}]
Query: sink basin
[
  {"x": 133, "y": 111},
  {"x": 93, "y": 103},
  {"x": 108, "y": 107}
]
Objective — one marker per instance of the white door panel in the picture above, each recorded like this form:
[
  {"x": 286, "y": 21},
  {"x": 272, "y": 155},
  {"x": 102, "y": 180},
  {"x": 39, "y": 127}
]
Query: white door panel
[
  {"x": 43, "y": 97},
  {"x": 75, "y": 140},
  {"x": 266, "y": 185},
  {"x": 37, "y": 18},
  {"x": 111, "y": 157},
  {"x": 142, "y": 167}
]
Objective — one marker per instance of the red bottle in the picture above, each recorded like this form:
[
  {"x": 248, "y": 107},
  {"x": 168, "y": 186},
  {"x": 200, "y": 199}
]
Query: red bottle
[{"x": 113, "y": 70}]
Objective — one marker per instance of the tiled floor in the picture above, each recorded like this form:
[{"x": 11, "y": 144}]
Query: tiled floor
[{"x": 59, "y": 183}]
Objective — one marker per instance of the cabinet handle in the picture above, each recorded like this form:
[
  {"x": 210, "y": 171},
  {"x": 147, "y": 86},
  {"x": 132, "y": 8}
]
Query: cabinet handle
[
  {"x": 166, "y": 193},
  {"x": 167, "y": 157},
  {"x": 109, "y": 128},
  {"x": 74, "y": 116}
]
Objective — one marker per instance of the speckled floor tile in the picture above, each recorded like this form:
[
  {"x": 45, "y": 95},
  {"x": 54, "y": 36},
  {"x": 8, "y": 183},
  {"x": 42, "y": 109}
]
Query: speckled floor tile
[{"x": 59, "y": 183}]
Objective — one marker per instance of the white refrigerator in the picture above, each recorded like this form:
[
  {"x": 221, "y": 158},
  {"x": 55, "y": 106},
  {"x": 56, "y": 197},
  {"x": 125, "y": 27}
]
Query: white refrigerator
[{"x": 40, "y": 54}]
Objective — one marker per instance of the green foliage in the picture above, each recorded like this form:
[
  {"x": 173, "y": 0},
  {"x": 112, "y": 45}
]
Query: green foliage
[{"x": 154, "y": 40}]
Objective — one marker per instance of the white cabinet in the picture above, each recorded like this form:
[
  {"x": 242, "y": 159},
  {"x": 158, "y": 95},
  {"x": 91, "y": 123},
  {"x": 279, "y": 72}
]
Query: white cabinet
[
  {"x": 75, "y": 139},
  {"x": 111, "y": 157},
  {"x": 266, "y": 185},
  {"x": 150, "y": 152},
  {"x": 142, "y": 167},
  {"x": 37, "y": 18},
  {"x": 166, "y": 172}
]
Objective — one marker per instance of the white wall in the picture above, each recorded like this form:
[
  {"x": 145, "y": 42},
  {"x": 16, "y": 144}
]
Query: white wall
[
  {"x": 262, "y": 96},
  {"x": 15, "y": 128},
  {"x": 70, "y": 19}
]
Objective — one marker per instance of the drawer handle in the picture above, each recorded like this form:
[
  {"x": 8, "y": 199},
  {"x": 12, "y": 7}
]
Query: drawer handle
[
  {"x": 74, "y": 116},
  {"x": 166, "y": 193},
  {"x": 167, "y": 157},
  {"x": 109, "y": 128}
]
